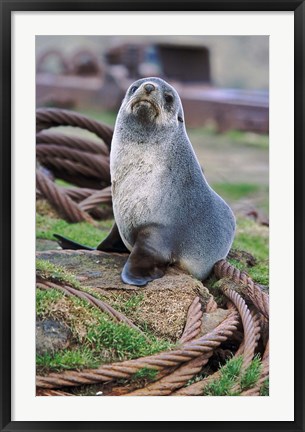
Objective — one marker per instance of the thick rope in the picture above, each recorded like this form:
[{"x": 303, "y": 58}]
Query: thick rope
[
  {"x": 78, "y": 194},
  {"x": 80, "y": 161},
  {"x": 197, "y": 388},
  {"x": 98, "y": 164},
  {"x": 50, "y": 392},
  {"x": 186, "y": 352},
  {"x": 193, "y": 322},
  {"x": 134, "y": 384},
  {"x": 251, "y": 329},
  {"x": 98, "y": 197},
  {"x": 247, "y": 361},
  {"x": 211, "y": 305},
  {"x": 223, "y": 269},
  {"x": 61, "y": 202},
  {"x": 87, "y": 199},
  {"x": 174, "y": 381},
  {"x": 74, "y": 142},
  {"x": 49, "y": 117},
  {"x": 69, "y": 167},
  {"x": 251, "y": 335}
]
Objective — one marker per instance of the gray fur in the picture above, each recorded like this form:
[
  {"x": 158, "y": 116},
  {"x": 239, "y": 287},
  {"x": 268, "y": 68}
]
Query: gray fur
[{"x": 157, "y": 182}]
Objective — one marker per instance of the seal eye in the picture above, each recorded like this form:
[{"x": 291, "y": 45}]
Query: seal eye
[
  {"x": 133, "y": 89},
  {"x": 168, "y": 98}
]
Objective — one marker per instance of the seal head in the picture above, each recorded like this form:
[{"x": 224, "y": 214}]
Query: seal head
[{"x": 152, "y": 103}]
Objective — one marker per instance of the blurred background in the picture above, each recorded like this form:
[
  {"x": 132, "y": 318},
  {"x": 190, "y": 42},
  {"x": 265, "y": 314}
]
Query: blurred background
[{"x": 223, "y": 82}]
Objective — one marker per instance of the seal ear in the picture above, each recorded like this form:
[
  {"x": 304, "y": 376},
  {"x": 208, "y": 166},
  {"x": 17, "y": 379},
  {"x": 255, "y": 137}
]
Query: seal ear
[{"x": 180, "y": 114}]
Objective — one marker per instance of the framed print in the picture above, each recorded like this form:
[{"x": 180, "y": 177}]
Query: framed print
[{"x": 185, "y": 174}]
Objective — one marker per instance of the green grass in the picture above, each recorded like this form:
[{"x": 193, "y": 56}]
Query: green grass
[
  {"x": 264, "y": 390},
  {"x": 97, "y": 339},
  {"x": 260, "y": 273},
  {"x": 48, "y": 270},
  {"x": 78, "y": 358},
  {"x": 230, "y": 375},
  {"x": 231, "y": 137},
  {"x": 107, "y": 117},
  {"x": 120, "y": 302},
  {"x": 235, "y": 191},
  {"x": 129, "y": 305},
  {"x": 82, "y": 232},
  {"x": 250, "y": 139},
  {"x": 63, "y": 183},
  {"x": 252, "y": 374},
  {"x": 253, "y": 238},
  {"x": 145, "y": 373},
  {"x": 46, "y": 300},
  {"x": 125, "y": 341}
]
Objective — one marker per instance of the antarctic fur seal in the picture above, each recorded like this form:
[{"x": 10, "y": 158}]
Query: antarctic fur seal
[{"x": 165, "y": 211}]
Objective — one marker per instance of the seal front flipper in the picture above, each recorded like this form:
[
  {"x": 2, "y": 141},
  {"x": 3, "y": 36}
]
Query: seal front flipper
[
  {"x": 148, "y": 260},
  {"x": 67, "y": 243},
  {"x": 113, "y": 242}
]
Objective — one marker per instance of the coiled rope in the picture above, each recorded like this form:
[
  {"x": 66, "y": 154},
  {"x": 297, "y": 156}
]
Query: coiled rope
[
  {"x": 81, "y": 161},
  {"x": 185, "y": 353},
  {"x": 193, "y": 322},
  {"x": 50, "y": 117},
  {"x": 223, "y": 269}
]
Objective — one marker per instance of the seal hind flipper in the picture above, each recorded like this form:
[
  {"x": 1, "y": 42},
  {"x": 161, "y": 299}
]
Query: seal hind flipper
[
  {"x": 113, "y": 242},
  {"x": 147, "y": 261},
  {"x": 67, "y": 243}
]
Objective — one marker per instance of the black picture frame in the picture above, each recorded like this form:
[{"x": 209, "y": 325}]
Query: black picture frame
[{"x": 7, "y": 7}]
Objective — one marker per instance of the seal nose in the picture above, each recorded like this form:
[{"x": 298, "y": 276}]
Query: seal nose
[{"x": 149, "y": 88}]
